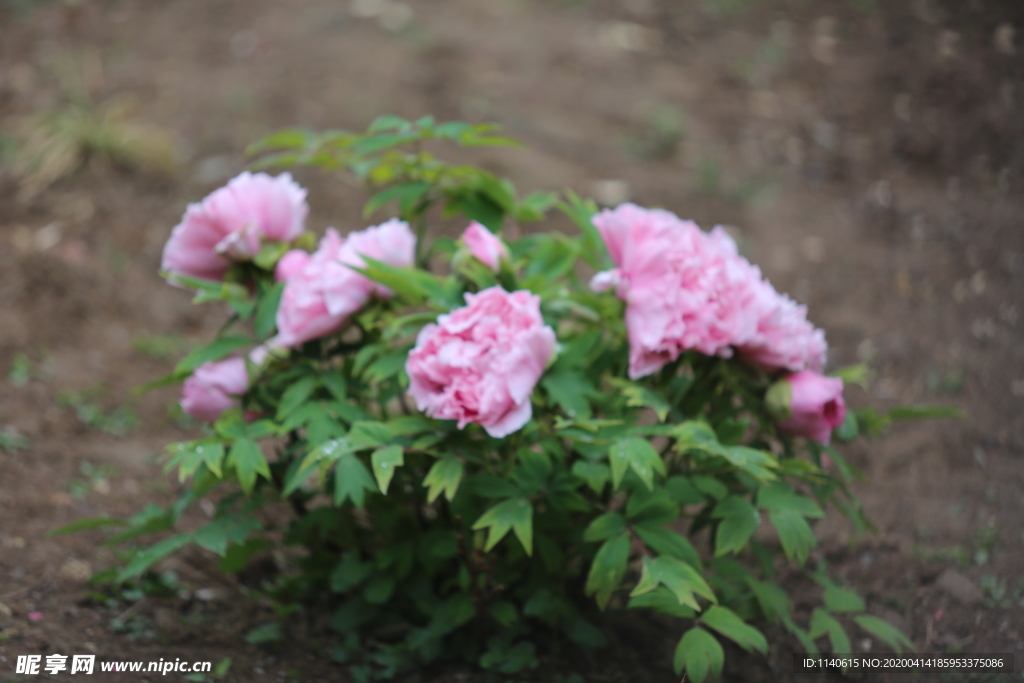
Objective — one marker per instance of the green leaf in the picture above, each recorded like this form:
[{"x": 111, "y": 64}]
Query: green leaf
[
  {"x": 248, "y": 461},
  {"x": 758, "y": 464},
  {"x": 605, "y": 526},
  {"x": 771, "y": 598},
  {"x": 699, "y": 653},
  {"x": 215, "y": 350},
  {"x": 349, "y": 572},
  {"x": 352, "y": 480},
  {"x": 608, "y": 568},
  {"x": 781, "y": 496},
  {"x": 84, "y": 525},
  {"x": 739, "y": 521},
  {"x": 335, "y": 383},
  {"x": 696, "y": 435},
  {"x": 367, "y": 434},
  {"x": 710, "y": 486},
  {"x": 379, "y": 589},
  {"x": 218, "y": 534},
  {"x": 445, "y": 476},
  {"x": 854, "y": 374},
  {"x": 637, "y": 454},
  {"x": 410, "y": 284},
  {"x": 266, "y": 311},
  {"x": 668, "y": 542},
  {"x": 290, "y": 138},
  {"x": 406, "y": 194},
  {"x": 682, "y": 491},
  {"x": 570, "y": 391},
  {"x": 678, "y": 576},
  {"x": 295, "y": 395},
  {"x": 639, "y": 396},
  {"x": 884, "y": 631},
  {"x": 270, "y": 253},
  {"x": 839, "y": 599},
  {"x": 795, "y": 534},
  {"x": 821, "y": 623},
  {"x": 145, "y": 558},
  {"x": 730, "y": 625},
  {"x": 267, "y": 633},
  {"x": 384, "y": 462},
  {"x": 515, "y": 514},
  {"x": 596, "y": 474},
  {"x": 662, "y": 600},
  {"x": 580, "y": 211}
]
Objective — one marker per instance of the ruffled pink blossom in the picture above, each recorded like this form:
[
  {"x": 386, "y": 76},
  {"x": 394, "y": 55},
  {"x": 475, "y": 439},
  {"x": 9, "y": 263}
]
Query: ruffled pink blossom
[
  {"x": 214, "y": 387},
  {"x": 484, "y": 245},
  {"x": 816, "y": 406},
  {"x": 689, "y": 290},
  {"x": 392, "y": 243},
  {"x": 232, "y": 223},
  {"x": 480, "y": 363},
  {"x": 322, "y": 291}
]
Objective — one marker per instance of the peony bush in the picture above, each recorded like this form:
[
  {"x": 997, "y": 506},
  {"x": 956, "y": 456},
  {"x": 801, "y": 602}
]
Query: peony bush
[{"x": 468, "y": 448}]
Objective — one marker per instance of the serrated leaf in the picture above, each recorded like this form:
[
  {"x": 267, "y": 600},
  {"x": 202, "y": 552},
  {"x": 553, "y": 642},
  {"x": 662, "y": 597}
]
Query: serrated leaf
[
  {"x": 349, "y": 572},
  {"x": 821, "y": 623},
  {"x": 795, "y": 534},
  {"x": 663, "y": 601},
  {"x": 596, "y": 474},
  {"x": 699, "y": 653},
  {"x": 405, "y": 193},
  {"x": 218, "y": 534},
  {"x": 639, "y": 396},
  {"x": 570, "y": 391},
  {"x": 368, "y": 434},
  {"x": 248, "y": 461},
  {"x": 352, "y": 480},
  {"x": 384, "y": 462},
  {"x": 730, "y": 625},
  {"x": 668, "y": 542},
  {"x": 884, "y": 631},
  {"x": 839, "y": 599},
  {"x": 636, "y": 454},
  {"x": 678, "y": 576},
  {"x": 605, "y": 526},
  {"x": 515, "y": 514},
  {"x": 739, "y": 522},
  {"x": 295, "y": 395},
  {"x": 444, "y": 475},
  {"x": 759, "y": 464},
  {"x": 608, "y": 568}
]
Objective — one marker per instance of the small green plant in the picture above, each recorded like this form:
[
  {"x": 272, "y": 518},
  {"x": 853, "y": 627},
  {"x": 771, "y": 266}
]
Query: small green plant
[
  {"x": 94, "y": 479},
  {"x": 86, "y": 405},
  {"x": 58, "y": 142},
  {"x": 11, "y": 441},
  {"x": 160, "y": 346}
]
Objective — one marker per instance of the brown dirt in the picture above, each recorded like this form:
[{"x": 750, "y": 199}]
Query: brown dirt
[{"x": 869, "y": 155}]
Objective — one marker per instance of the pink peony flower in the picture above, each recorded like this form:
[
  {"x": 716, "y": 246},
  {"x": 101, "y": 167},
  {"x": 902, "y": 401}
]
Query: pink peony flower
[
  {"x": 814, "y": 407},
  {"x": 214, "y": 387},
  {"x": 392, "y": 243},
  {"x": 484, "y": 245},
  {"x": 686, "y": 289},
  {"x": 232, "y": 223},
  {"x": 784, "y": 338},
  {"x": 480, "y": 363},
  {"x": 322, "y": 291}
]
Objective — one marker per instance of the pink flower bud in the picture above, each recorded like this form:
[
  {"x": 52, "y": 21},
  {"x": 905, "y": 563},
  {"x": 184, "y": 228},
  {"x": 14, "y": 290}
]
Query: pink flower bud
[
  {"x": 809, "y": 405},
  {"x": 484, "y": 245}
]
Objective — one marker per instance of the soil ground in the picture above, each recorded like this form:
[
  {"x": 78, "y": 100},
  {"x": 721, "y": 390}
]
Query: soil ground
[{"x": 868, "y": 155}]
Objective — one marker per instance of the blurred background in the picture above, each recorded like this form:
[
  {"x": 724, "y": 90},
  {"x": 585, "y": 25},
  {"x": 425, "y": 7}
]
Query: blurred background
[{"x": 868, "y": 155}]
